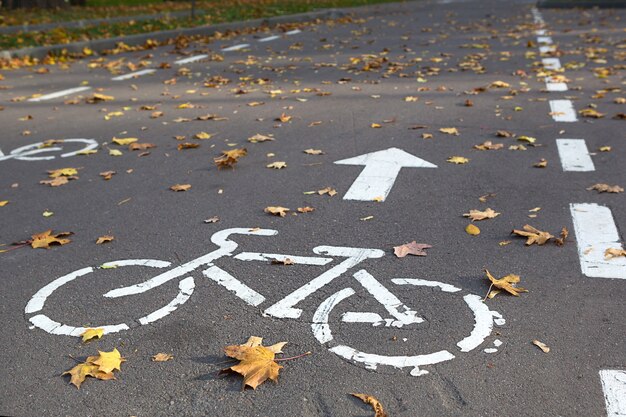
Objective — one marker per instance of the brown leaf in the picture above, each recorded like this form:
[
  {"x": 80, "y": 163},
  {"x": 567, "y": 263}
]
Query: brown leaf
[
  {"x": 162, "y": 357},
  {"x": 56, "y": 182},
  {"x": 97, "y": 97},
  {"x": 614, "y": 253},
  {"x": 507, "y": 283},
  {"x": 477, "y": 215},
  {"x": 277, "y": 210},
  {"x": 504, "y": 134},
  {"x": 187, "y": 145},
  {"x": 213, "y": 219},
  {"x": 104, "y": 239},
  {"x": 180, "y": 187},
  {"x": 229, "y": 158},
  {"x": 591, "y": 113},
  {"x": 606, "y": 188},
  {"x": 545, "y": 348},
  {"x": 306, "y": 209},
  {"x": 376, "y": 405},
  {"x": 489, "y": 146},
  {"x": 533, "y": 235},
  {"x": 411, "y": 248},
  {"x": 257, "y": 363},
  {"x": 313, "y": 152},
  {"x": 140, "y": 146},
  {"x": 560, "y": 241},
  {"x": 45, "y": 239},
  {"x": 106, "y": 175},
  {"x": 330, "y": 191},
  {"x": 541, "y": 164},
  {"x": 260, "y": 138},
  {"x": 450, "y": 131}
]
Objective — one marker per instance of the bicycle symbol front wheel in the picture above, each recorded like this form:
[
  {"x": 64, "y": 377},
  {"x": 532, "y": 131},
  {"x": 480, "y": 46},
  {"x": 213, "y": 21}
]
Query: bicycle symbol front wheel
[
  {"x": 484, "y": 320},
  {"x": 37, "y": 303}
]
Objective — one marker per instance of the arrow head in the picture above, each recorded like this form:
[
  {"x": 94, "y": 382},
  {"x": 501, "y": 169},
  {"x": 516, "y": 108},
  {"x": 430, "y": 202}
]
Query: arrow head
[{"x": 388, "y": 156}]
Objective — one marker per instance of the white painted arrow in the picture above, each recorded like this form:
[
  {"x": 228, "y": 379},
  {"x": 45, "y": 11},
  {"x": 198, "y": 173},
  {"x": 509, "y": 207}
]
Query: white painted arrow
[{"x": 380, "y": 172}]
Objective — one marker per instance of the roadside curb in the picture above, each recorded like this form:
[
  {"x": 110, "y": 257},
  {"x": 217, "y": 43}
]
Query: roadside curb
[
  {"x": 7, "y": 30},
  {"x": 570, "y": 4},
  {"x": 99, "y": 45}
]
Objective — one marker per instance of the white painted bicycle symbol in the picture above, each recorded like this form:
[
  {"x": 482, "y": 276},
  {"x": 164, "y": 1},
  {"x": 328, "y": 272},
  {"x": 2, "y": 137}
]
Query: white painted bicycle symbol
[
  {"x": 399, "y": 315},
  {"x": 32, "y": 152}
]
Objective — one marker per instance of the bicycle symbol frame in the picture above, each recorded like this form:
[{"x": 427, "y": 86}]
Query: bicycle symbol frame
[
  {"x": 28, "y": 152},
  {"x": 400, "y": 314}
]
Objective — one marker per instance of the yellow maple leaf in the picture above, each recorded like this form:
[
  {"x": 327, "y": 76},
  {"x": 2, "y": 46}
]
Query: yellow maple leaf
[
  {"x": 80, "y": 372},
  {"x": 376, "y": 405},
  {"x": 124, "y": 141},
  {"x": 257, "y": 363},
  {"x": 203, "y": 135},
  {"x": 457, "y": 160},
  {"x": 4, "y": 203},
  {"x": 107, "y": 361},
  {"x": 92, "y": 333},
  {"x": 450, "y": 131},
  {"x": 62, "y": 172},
  {"x": 506, "y": 283},
  {"x": 45, "y": 239}
]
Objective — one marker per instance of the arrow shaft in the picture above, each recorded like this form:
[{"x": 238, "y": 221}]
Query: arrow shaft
[{"x": 374, "y": 182}]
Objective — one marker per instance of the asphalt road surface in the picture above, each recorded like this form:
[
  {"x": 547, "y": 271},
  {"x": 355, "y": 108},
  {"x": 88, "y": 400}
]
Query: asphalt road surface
[{"x": 374, "y": 91}]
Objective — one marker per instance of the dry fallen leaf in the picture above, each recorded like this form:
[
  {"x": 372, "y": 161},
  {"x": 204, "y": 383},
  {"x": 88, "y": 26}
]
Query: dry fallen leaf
[
  {"x": 45, "y": 239},
  {"x": 260, "y": 138},
  {"x": 560, "y": 241},
  {"x": 499, "y": 84},
  {"x": 541, "y": 164},
  {"x": 140, "y": 146},
  {"x": 187, "y": 145},
  {"x": 330, "y": 191},
  {"x": 162, "y": 357},
  {"x": 614, "y": 253},
  {"x": 81, "y": 371},
  {"x": 489, "y": 146},
  {"x": 229, "y": 158},
  {"x": 527, "y": 139},
  {"x": 104, "y": 239},
  {"x": 106, "y": 175},
  {"x": 56, "y": 182},
  {"x": 606, "y": 188},
  {"x": 477, "y": 215},
  {"x": 457, "y": 160},
  {"x": 306, "y": 209},
  {"x": 313, "y": 152},
  {"x": 411, "y": 248},
  {"x": 376, "y": 405},
  {"x": 180, "y": 187},
  {"x": 533, "y": 235},
  {"x": 541, "y": 346},
  {"x": 450, "y": 131},
  {"x": 277, "y": 210},
  {"x": 124, "y": 141},
  {"x": 506, "y": 283},
  {"x": 591, "y": 113},
  {"x": 92, "y": 333},
  {"x": 277, "y": 165},
  {"x": 213, "y": 219},
  {"x": 203, "y": 135},
  {"x": 257, "y": 363},
  {"x": 100, "y": 367},
  {"x": 97, "y": 97},
  {"x": 473, "y": 230}
]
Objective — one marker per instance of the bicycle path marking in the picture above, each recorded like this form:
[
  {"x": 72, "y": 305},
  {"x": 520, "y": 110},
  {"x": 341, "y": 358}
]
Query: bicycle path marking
[
  {"x": 614, "y": 388},
  {"x": 381, "y": 170},
  {"x": 29, "y": 152},
  {"x": 574, "y": 155},
  {"x": 595, "y": 233}
]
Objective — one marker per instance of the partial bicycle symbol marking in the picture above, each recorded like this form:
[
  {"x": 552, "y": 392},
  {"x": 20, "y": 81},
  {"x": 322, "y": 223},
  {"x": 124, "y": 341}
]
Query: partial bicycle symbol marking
[
  {"x": 31, "y": 152},
  {"x": 398, "y": 314}
]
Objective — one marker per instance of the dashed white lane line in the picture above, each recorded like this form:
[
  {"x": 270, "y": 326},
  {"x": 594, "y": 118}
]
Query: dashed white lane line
[
  {"x": 546, "y": 49},
  {"x": 134, "y": 74},
  {"x": 595, "y": 233},
  {"x": 540, "y": 32},
  {"x": 552, "y": 86},
  {"x": 293, "y": 32},
  {"x": 574, "y": 155},
  {"x": 546, "y": 40},
  {"x": 58, "y": 94},
  {"x": 614, "y": 388},
  {"x": 191, "y": 59},
  {"x": 551, "y": 63},
  {"x": 563, "y": 111},
  {"x": 269, "y": 38},
  {"x": 236, "y": 47}
]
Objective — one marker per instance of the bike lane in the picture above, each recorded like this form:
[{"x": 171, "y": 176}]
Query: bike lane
[{"x": 562, "y": 308}]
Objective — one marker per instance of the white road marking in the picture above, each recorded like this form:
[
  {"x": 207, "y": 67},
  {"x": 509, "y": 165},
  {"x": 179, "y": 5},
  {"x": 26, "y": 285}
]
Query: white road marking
[
  {"x": 563, "y": 111},
  {"x": 186, "y": 287},
  {"x": 595, "y": 233},
  {"x": 133, "y": 74},
  {"x": 380, "y": 173},
  {"x": 236, "y": 47},
  {"x": 191, "y": 59},
  {"x": 546, "y": 49},
  {"x": 229, "y": 282},
  {"x": 551, "y": 63},
  {"x": 614, "y": 388},
  {"x": 540, "y": 32},
  {"x": 552, "y": 86},
  {"x": 58, "y": 94},
  {"x": 546, "y": 40},
  {"x": 574, "y": 155},
  {"x": 293, "y": 32},
  {"x": 269, "y": 38},
  {"x": 27, "y": 152},
  {"x": 265, "y": 257},
  {"x": 285, "y": 307}
]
